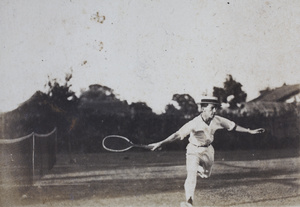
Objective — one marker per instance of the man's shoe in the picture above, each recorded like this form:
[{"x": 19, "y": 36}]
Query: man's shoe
[
  {"x": 201, "y": 172},
  {"x": 185, "y": 204}
]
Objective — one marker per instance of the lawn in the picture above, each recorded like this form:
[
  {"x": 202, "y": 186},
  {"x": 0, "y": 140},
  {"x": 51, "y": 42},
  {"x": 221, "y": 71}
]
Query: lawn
[{"x": 240, "y": 178}]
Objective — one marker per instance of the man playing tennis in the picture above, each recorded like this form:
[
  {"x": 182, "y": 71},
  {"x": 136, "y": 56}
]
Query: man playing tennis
[{"x": 200, "y": 152}]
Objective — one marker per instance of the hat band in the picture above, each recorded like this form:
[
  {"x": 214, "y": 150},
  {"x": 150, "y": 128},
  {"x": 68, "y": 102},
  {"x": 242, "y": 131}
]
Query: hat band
[{"x": 209, "y": 101}]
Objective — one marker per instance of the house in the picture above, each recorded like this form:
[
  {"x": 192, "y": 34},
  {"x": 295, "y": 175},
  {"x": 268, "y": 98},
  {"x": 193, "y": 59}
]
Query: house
[
  {"x": 271, "y": 102},
  {"x": 285, "y": 93}
]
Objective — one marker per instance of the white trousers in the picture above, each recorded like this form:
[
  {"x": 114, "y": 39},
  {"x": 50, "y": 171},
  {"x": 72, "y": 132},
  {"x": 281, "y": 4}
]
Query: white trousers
[{"x": 197, "y": 159}]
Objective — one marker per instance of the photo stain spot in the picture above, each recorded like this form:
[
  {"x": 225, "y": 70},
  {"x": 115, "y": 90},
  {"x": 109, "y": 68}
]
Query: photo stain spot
[
  {"x": 98, "y": 18},
  {"x": 84, "y": 62},
  {"x": 100, "y": 46}
]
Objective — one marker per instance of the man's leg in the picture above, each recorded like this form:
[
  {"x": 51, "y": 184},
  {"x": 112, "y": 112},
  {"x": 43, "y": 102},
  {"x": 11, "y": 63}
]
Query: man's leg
[{"x": 192, "y": 163}]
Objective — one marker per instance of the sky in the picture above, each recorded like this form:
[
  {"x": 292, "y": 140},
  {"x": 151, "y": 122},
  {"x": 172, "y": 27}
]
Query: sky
[{"x": 147, "y": 50}]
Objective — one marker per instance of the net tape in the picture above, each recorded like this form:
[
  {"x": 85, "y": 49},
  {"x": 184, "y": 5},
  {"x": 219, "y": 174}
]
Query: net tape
[{"x": 11, "y": 141}]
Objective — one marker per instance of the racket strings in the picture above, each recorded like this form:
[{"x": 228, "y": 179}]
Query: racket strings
[{"x": 116, "y": 143}]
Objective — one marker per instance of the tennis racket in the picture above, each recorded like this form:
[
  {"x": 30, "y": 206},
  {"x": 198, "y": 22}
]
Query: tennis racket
[{"x": 117, "y": 143}]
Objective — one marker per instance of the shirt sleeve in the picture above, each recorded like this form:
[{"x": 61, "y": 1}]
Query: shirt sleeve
[
  {"x": 226, "y": 123},
  {"x": 186, "y": 129}
]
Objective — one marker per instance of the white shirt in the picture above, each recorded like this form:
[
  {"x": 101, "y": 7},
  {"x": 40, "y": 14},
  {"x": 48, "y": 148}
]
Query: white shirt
[{"x": 201, "y": 133}]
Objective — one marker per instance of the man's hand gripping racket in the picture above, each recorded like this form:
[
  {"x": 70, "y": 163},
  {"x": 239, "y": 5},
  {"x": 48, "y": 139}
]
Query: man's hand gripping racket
[{"x": 155, "y": 146}]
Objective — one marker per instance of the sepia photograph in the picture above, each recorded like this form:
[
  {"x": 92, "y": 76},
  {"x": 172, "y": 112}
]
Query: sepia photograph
[{"x": 149, "y": 103}]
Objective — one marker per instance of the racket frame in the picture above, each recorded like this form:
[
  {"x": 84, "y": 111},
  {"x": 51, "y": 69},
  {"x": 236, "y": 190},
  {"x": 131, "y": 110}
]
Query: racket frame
[{"x": 125, "y": 149}]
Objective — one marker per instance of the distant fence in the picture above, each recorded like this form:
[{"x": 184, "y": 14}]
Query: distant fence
[{"x": 24, "y": 160}]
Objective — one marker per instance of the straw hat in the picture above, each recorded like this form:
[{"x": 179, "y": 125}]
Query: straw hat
[{"x": 210, "y": 100}]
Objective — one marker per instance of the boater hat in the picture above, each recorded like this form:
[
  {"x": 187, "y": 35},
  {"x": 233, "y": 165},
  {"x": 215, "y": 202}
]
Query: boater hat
[{"x": 210, "y": 100}]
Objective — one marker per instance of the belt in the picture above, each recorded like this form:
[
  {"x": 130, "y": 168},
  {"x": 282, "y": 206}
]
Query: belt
[{"x": 207, "y": 145}]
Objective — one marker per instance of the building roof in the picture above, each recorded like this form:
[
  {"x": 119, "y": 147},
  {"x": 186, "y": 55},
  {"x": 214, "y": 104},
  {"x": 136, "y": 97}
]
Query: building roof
[{"x": 280, "y": 94}]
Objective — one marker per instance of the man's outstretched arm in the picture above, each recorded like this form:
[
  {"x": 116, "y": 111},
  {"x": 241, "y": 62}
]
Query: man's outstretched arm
[
  {"x": 250, "y": 131},
  {"x": 169, "y": 139}
]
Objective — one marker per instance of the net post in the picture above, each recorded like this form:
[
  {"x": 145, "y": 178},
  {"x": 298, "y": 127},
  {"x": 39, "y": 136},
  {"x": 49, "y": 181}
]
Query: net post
[
  {"x": 3, "y": 125},
  {"x": 55, "y": 143},
  {"x": 33, "y": 153}
]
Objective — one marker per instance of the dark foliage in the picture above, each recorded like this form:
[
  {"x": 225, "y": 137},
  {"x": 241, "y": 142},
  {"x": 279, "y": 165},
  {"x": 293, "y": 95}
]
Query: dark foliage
[
  {"x": 187, "y": 106},
  {"x": 83, "y": 122},
  {"x": 231, "y": 93}
]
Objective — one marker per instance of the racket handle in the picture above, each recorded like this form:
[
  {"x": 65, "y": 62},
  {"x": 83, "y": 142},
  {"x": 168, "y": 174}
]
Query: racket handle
[
  {"x": 148, "y": 147},
  {"x": 143, "y": 146}
]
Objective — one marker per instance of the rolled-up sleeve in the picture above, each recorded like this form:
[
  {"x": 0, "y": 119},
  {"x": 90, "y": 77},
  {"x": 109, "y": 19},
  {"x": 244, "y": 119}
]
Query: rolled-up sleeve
[
  {"x": 227, "y": 124},
  {"x": 185, "y": 130}
]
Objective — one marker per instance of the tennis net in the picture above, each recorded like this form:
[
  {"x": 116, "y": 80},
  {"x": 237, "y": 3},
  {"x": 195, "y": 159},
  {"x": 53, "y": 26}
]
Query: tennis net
[{"x": 24, "y": 160}]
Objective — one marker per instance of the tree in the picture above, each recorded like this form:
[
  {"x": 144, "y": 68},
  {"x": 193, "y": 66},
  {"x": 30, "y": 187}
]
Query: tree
[
  {"x": 140, "y": 108},
  {"x": 98, "y": 92},
  {"x": 62, "y": 95},
  {"x": 187, "y": 106},
  {"x": 64, "y": 103},
  {"x": 101, "y": 100},
  {"x": 232, "y": 92}
]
